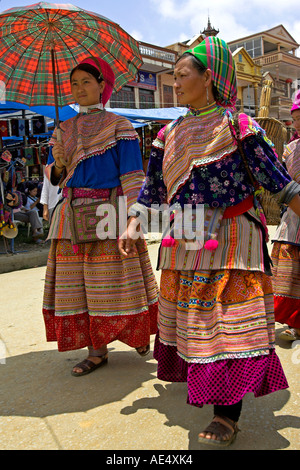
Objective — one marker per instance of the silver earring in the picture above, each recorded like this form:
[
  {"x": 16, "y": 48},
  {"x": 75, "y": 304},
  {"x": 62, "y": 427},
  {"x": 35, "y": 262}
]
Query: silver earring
[{"x": 207, "y": 97}]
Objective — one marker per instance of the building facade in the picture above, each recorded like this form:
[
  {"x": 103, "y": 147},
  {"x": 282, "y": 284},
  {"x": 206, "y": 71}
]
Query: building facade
[
  {"x": 152, "y": 87},
  {"x": 268, "y": 56},
  {"x": 274, "y": 50}
]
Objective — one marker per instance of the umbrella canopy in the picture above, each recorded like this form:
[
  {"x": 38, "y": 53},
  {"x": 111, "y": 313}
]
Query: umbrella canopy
[{"x": 41, "y": 43}]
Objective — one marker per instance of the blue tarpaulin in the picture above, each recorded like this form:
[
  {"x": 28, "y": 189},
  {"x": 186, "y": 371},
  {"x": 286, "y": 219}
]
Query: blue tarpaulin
[
  {"x": 159, "y": 114},
  {"x": 134, "y": 115}
]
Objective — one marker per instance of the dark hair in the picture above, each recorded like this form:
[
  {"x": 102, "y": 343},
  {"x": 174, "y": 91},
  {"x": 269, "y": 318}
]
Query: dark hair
[
  {"x": 89, "y": 69},
  {"x": 197, "y": 64},
  {"x": 30, "y": 185}
]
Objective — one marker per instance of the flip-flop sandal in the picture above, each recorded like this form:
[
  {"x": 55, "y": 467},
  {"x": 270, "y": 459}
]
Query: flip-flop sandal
[
  {"x": 88, "y": 366},
  {"x": 219, "y": 429},
  {"x": 143, "y": 353},
  {"x": 289, "y": 335}
]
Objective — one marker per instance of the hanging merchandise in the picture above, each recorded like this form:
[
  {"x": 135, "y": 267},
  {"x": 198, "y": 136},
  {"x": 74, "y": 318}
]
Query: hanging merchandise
[
  {"x": 14, "y": 125},
  {"x": 4, "y": 130},
  {"x": 6, "y": 156},
  {"x": 148, "y": 142},
  {"x": 8, "y": 228},
  {"x": 23, "y": 127},
  {"x": 43, "y": 155},
  {"x": 29, "y": 154},
  {"x": 38, "y": 125},
  {"x": 140, "y": 134},
  {"x": 5, "y": 177}
]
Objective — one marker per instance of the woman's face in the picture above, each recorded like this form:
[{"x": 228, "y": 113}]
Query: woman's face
[
  {"x": 85, "y": 88},
  {"x": 33, "y": 192},
  {"x": 296, "y": 120},
  {"x": 190, "y": 86}
]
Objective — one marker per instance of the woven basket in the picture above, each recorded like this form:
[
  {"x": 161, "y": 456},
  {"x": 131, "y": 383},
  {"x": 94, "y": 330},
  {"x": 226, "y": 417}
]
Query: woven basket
[{"x": 277, "y": 133}]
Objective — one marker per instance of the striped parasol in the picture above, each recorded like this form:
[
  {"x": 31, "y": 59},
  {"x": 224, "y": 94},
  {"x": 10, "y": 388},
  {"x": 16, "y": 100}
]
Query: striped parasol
[{"x": 41, "y": 43}]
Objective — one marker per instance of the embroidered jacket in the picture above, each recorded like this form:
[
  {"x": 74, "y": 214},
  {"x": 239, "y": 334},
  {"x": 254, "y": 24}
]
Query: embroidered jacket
[
  {"x": 104, "y": 152},
  {"x": 289, "y": 227},
  {"x": 199, "y": 163}
]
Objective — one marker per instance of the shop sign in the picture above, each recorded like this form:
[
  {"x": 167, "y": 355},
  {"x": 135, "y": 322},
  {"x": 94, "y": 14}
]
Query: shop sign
[{"x": 145, "y": 80}]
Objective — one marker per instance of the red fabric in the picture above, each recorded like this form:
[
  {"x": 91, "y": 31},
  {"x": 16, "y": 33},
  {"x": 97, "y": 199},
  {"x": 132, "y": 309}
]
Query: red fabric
[
  {"x": 107, "y": 73},
  {"x": 287, "y": 311},
  {"x": 239, "y": 208},
  {"x": 79, "y": 331}
]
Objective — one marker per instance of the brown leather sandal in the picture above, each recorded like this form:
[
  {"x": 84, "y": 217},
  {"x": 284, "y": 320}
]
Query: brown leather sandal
[
  {"x": 220, "y": 430},
  {"x": 88, "y": 366}
]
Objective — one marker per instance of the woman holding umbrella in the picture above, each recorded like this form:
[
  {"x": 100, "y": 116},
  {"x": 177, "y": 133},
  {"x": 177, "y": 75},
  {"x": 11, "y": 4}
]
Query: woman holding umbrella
[{"x": 94, "y": 296}]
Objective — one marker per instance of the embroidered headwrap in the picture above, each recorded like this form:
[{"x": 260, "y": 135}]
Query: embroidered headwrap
[
  {"x": 215, "y": 54},
  {"x": 296, "y": 103},
  {"x": 106, "y": 72}
]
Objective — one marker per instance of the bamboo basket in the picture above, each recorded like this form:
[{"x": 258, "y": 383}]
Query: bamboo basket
[{"x": 277, "y": 133}]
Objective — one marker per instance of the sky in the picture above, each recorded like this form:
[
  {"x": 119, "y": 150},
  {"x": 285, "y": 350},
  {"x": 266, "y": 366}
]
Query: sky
[{"x": 164, "y": 22}]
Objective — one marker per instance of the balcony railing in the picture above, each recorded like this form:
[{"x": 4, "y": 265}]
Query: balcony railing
[
  {"x": 159, "y": 54},
  {"x": 277, "y": 57}
]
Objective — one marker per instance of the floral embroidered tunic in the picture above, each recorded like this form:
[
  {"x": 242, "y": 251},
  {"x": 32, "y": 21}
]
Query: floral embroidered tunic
[
  {"x": 220, "y": 183},
  {"x": 104, "y": 153},
  {"x": 199, "y": 163}
]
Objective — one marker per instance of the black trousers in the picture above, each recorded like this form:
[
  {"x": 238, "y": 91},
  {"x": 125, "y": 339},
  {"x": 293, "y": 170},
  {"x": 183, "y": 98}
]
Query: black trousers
[{"x": 230, "y": 411}]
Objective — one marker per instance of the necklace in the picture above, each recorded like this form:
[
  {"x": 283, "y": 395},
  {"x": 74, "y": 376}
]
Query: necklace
[{"x": 211, "y": 108}]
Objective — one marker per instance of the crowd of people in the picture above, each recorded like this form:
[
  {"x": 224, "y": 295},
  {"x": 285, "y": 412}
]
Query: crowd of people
[
  {"x": 31, "y": 202},
  {"x": 214, "y": 316}
]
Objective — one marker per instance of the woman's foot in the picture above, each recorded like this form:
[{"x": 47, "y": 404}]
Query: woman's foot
[
  {"x": 143, "y": 350},
  {"x": 89, "y": 365},
  {"x": 290, "y": 334},
  {"x": 222, "y": 431},
  {"x": 37, "y": 234}
]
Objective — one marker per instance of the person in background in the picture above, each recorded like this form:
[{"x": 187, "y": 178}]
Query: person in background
[
  {"x": 216, "y": 316},
  {"x": 32, "y": 198},
  {"x": 285, "y": 252},
  {"x": 50, "y": 194},
  {"x": 24, "y": 213},
  {"x": 92, "y": 295},
  {"x": 295, "y": 113}
]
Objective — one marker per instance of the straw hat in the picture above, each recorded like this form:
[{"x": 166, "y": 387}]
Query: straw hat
[{"x": 10, "y": 231}]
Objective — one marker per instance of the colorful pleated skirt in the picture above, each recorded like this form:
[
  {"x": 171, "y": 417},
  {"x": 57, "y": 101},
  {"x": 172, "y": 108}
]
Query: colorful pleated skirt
[
  {"x": 217, "y": 333},
  {"x": 286, "y": 283},
  {"x": 95, "y": 296}
]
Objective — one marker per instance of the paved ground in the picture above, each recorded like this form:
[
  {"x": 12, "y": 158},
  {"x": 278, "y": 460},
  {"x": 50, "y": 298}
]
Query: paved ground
[{"x": 120, "y": 407}]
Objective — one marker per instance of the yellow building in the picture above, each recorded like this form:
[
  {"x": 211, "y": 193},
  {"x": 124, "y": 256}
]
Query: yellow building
[
  {"x": 274, "y": 50},
  {"x": 248, "y": 82}
]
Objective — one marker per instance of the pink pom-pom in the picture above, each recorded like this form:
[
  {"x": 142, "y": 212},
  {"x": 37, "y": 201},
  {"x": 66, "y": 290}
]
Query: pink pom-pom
[
  {"x": 75, "y": 249},
  {"x": 168, "y": 241},
  {"x": 211, "y": 245}
]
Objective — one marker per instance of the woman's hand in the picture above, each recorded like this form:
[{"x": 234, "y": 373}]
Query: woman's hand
[
  {"x": 58, "y": 153},
  {"x": 127, "y": 241}
]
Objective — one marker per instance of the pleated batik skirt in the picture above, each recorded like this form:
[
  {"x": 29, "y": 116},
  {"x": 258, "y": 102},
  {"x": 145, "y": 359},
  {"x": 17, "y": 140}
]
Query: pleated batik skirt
[
  {"x": 286, "y": 283},
  {"x": 94, "y": 297},
  {"x": 217, "y": 333}
]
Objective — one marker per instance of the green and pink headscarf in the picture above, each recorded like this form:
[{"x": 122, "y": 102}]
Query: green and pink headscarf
[{"x": 215, "y": 55}]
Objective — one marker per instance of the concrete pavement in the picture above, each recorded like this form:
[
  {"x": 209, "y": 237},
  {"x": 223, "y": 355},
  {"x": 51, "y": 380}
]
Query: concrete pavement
[{"x": 120, "y": 407}]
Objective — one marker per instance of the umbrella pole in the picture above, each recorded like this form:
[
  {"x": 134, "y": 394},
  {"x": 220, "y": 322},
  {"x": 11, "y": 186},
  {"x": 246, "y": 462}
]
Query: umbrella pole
[{"x": 55, "y": 95}]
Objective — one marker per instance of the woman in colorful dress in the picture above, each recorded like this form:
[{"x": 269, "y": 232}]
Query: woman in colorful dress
[
  {"x": 295, "y": 113},
  {"x": 216, "y": 320},
  {"x": 92, "y": 295},
  {"x": 285, "y": 252}
]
